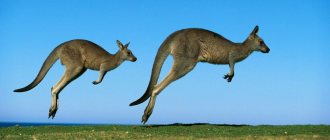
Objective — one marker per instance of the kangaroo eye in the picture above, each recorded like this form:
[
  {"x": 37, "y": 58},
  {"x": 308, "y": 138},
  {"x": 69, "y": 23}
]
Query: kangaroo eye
[
  {"x": 129, "y": 53},
  {"x": 261, "y": 42}
]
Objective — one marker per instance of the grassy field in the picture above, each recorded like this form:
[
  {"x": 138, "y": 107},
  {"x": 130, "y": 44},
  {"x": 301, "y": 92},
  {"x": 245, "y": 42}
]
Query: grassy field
[{"x": 173, "y": 131}]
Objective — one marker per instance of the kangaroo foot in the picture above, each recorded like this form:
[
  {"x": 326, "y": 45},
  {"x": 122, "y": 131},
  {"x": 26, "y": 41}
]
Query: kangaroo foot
[
  {"x": 149, "y": 109},
  {"x": 145, "y": 117},
  {"x": 228, "y": 77},
  {"x": 52, "y": 112}
]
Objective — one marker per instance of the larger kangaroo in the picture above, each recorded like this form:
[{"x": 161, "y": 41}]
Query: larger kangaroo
[
  {"x": 78, "y": 56},
  {"x": 189, "y": 46}
]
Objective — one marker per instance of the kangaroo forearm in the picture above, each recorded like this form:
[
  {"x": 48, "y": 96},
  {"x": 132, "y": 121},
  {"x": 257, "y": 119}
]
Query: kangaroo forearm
[
  {"x": 231, "y": 66},
  {"x": 101, "y": 76}
]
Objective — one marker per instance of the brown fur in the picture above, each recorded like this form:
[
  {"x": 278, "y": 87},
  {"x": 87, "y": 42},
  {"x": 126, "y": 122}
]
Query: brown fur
[
  {"x": 78, "y": 56},
  {"x": 190, "y": 46}
]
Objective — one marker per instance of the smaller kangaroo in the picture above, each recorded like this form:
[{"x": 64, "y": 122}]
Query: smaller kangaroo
[
  {"x": 189, "y": 46},
  {"x": 78, "y": 56}
]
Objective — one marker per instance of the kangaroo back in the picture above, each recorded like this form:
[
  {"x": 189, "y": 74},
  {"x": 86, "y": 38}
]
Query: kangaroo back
[
  {"x": 51, "y": 59},
  {"x": 161, "y": 56}
]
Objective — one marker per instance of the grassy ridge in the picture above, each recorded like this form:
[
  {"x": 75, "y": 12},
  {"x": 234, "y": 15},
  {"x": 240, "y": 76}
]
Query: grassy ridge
[{"x": 174, "y": 131}]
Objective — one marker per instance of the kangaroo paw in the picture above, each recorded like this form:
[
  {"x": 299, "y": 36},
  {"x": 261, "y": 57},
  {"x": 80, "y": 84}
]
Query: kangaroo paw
[
  {"x": 228, "y": 77},
  {"x": 95, "y": 82}
]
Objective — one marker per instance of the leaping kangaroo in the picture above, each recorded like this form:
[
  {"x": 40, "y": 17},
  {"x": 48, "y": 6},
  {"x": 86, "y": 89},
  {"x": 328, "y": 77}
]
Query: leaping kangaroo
[
  {"x": 78, "y": 56},
  {"x": 189, "y": 46}
]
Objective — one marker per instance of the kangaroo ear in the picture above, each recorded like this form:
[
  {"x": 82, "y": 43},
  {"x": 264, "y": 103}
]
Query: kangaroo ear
[
  {"x": 127, "y": 44},
  {"x": 255, "y": 30},
  {"x": 120, "y": 45}
]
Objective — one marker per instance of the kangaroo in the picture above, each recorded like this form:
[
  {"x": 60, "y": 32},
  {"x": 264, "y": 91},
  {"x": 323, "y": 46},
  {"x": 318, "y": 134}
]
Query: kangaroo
[
  {"x": 189, "y": 46},
  {"x": 78, "y": 56}
]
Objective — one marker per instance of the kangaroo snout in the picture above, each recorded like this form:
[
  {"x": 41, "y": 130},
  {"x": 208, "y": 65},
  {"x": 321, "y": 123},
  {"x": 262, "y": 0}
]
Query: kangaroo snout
[
  {"x": 133, "y": 59},
  {"x": 265, "y": 50}
]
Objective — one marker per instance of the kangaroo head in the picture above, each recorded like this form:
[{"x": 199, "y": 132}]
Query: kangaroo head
[
  {"x": 255, "y": 42},
  {"x": 125, "y": 54}
]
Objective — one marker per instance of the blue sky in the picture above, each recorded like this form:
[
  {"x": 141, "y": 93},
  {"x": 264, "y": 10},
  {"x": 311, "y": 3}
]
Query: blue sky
[{"x": 290, "y": 85}]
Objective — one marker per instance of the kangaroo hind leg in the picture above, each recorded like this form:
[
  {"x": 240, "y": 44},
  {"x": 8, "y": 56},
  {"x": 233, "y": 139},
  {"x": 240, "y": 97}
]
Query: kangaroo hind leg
[
  {"x": 70, "y": 74},
  {"x": 181, "y": 67}
]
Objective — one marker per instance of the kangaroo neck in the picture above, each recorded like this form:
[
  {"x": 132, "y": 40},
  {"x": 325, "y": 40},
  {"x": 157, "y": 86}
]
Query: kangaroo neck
[
  {"x": 117, "y": 59},
  {"x": 113, "y": 61},
  {"x": 241, "y": 52}
]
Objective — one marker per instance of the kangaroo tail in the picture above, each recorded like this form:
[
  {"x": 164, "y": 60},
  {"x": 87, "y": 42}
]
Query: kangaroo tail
[
  {"x": 51, "y": 59},
  {"x": 161, "y": 56}
]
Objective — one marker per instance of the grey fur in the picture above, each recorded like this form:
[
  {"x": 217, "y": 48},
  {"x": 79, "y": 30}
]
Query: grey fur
[
  {"x": 189, "y": 46},
  {"x": 78, "y": 56}
]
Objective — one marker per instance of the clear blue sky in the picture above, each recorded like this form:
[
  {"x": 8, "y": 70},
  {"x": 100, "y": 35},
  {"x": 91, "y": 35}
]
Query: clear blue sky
[{"x": 290, "y": 85}]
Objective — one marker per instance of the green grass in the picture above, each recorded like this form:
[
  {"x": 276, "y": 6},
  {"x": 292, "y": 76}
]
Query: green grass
[{"x": 174, "y": 131}]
